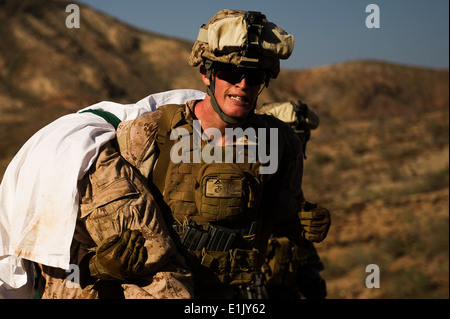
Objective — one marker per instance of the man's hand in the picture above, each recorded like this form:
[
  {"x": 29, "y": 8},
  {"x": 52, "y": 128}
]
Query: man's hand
[
  {"x": 315, "y": 221},
  {"x": 119, "y": 257}
]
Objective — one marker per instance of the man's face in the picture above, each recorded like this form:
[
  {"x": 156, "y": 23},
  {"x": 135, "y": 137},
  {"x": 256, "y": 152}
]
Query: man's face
[{"x": 236, "y": 89}]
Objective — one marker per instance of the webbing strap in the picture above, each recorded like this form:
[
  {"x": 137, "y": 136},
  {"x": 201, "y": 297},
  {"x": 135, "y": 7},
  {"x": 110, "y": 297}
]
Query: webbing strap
[
  {"x": 107, "y": 116},
  {"x": 164, "y": 142},
  {"x": 211, "y": 91},
  {"x": 233, "y": 267}
]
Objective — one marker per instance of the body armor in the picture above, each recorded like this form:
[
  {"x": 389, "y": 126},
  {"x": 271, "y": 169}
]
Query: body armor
[
  {"x": 217, "y": 206},
  {"x": 207, "y": 192}
]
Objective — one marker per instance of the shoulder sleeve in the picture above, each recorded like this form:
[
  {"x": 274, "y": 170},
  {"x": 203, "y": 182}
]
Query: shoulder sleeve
[
  {"x": 283, "y": 194},
  {"x": 136, "y": 141}
]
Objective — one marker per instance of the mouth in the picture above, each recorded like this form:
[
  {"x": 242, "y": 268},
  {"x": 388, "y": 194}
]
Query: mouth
[{"x": 240, "y": 100}]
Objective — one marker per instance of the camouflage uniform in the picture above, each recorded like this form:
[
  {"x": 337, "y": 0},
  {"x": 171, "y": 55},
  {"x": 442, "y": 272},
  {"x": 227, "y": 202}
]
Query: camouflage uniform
[
  {"x": 279, "y": 205},
  {"x": 114, "y": 197},
  {"x": 119, "y": 194}
]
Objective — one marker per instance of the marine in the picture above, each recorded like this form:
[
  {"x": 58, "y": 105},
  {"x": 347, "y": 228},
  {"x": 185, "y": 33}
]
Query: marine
[{"x": 152, "y": 227}]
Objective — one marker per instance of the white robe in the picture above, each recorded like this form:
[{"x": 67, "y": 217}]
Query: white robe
[{"x": 38, "y": 193}]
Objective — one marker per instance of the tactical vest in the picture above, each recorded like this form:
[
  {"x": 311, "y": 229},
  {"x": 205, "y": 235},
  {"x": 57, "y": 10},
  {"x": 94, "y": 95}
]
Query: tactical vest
[
  {"x": 205, "y": 192},
  {"x": 220, "y": 201},
  {"x": 217, "y": 204}
]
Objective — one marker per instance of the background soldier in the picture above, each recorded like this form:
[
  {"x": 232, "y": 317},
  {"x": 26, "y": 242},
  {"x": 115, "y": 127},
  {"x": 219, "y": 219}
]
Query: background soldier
[{"x": 293, "y": 271}]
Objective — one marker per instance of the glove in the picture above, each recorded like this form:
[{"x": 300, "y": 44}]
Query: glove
[
  {"x": 315, "y": 221},
  {"x": 119, "y": 257}
]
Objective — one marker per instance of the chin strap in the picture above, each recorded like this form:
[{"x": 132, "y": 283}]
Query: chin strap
[{"x": 210, "y": 90}]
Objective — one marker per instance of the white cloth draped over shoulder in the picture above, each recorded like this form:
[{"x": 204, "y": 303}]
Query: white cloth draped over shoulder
[{"x": 38, "y": 193}]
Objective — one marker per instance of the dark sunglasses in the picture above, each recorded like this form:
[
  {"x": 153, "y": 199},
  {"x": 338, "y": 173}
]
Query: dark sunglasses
[{"x": 234, "y": 75}]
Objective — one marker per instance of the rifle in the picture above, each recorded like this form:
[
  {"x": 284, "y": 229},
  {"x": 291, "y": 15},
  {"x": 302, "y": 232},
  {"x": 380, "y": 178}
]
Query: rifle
[{"x": 215, "y": 238}]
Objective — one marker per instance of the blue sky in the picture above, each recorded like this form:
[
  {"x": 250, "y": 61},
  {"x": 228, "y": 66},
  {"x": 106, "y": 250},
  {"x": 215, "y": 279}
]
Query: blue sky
[{"x": 413, "y": 32}]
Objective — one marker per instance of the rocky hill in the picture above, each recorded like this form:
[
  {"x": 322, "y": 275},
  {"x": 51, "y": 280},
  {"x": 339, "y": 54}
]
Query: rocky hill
[{"x": 378, "y": 161}]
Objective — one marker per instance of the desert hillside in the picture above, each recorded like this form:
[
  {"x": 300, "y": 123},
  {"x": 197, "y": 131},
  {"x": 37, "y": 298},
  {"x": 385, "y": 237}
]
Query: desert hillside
[{"x": 379, "y": 159}]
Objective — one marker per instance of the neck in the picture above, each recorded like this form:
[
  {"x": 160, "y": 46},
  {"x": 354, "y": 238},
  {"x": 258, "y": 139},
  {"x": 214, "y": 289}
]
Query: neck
[{"x": 210, "y": 119}]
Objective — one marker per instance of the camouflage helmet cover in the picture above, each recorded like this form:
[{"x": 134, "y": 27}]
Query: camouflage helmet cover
[{"x": 242, "y": 38}]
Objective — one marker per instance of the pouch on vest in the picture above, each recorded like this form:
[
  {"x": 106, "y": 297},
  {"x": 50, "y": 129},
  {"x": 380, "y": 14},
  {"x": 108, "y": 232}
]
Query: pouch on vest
[
  {"x": 280, "y": 267},
  {"x": 232, "y": 267},
  {"x": 226, "y": 192}
]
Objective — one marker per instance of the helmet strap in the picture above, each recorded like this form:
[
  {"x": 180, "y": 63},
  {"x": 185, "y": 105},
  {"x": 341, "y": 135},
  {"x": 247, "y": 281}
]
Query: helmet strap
[{"x": 210, "y": 90}]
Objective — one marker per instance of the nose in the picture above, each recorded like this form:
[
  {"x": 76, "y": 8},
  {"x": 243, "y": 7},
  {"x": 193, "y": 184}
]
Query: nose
[{"x": 243, "y": 82}]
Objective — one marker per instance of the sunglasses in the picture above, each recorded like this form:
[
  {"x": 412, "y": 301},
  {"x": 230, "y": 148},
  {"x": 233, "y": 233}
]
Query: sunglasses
[{"x": 234, "y": 75}]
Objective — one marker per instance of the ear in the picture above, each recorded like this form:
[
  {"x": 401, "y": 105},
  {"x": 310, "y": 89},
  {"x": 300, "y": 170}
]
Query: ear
[{"x": 204, "y": 78}]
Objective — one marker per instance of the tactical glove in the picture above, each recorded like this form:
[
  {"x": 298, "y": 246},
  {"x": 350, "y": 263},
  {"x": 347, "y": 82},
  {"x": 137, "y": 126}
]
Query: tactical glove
[
  {"x": 315, "y": 221},
  {"x": 119, "y": 257}
]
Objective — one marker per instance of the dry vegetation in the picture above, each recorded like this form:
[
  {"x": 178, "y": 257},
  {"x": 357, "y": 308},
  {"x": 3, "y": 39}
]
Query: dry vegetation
[
  {"x": 386, "y": 182},
  {"x": 378, "y": 161}
]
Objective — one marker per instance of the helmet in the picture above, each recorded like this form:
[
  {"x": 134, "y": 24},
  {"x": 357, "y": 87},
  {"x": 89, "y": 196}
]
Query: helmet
[{"x": 244, "y": 39}]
